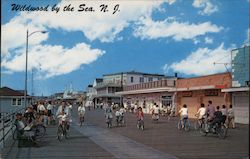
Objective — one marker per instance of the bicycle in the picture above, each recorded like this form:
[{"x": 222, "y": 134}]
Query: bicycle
[
  {"x": 219, "y": 128},
  {"x": 140, "y": 124},
  {"x": 38, "y": 131},
  {"x": 109, "y": 122},
  {"x": 185, "y": 126},
  {"x": 62, "y": 130},
  {"x": 199, "y": 124}
]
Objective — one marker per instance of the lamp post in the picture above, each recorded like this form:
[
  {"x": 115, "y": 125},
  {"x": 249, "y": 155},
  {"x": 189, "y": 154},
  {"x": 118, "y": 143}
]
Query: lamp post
[{"x": 26, "y": 63}]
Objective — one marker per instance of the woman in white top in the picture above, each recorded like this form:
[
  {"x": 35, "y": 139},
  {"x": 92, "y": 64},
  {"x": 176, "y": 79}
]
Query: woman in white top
[
  {"x": 184, "y": 112},
  {"x": 201, "y": 112}
]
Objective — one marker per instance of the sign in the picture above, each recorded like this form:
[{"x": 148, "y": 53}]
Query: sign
[
  {"x": 211, "y": 92},
  {"x": 187, "y": 94}
]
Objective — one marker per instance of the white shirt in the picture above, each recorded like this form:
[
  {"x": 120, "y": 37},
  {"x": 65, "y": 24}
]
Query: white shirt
[
  {"x": 49, "y": 107},
  {"x": 156, "y": 110},
  {"x": 41, "y": 107},
  {"x": 81, "y": 110},
  {"x": 224, "y": 111},
  {"x": 201, "y": 112},
  {"x": 184, "y": 112}
]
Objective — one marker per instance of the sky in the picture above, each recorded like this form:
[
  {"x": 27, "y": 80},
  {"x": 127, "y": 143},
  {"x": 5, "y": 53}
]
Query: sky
[{"x": 164, "y": 37}]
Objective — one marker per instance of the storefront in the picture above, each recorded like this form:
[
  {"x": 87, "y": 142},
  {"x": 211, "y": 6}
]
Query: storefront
[
  {"x": 240, "y": 102},
  {"x": 194, "y": 91}
]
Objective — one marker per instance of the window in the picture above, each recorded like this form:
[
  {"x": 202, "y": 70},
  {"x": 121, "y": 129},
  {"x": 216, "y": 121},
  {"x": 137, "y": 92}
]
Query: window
[
  {"x": 141, "y": 79},
  {"x": 131, "y": 79},
  {"x": 16, "y": 101},
  {"x": 150, "y": 79}
]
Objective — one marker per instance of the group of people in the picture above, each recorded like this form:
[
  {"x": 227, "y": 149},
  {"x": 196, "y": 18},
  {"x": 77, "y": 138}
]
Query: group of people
[{"x": 212, "y": 114}]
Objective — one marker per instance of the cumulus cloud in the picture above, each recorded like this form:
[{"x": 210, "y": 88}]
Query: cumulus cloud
[
  {"x": 53, "y": 60},
  {"x": 170, "y": 2},
  {"x": 206, "y": 5},
  {"x": 95, "y": 26},
  {"x": 149, "y": 29},
  {"x": 201, "y": 61},
  {"x": 208, "y": 40}
]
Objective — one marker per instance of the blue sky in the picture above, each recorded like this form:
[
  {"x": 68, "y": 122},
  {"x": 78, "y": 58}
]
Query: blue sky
[{"x": 183, "y": 36}]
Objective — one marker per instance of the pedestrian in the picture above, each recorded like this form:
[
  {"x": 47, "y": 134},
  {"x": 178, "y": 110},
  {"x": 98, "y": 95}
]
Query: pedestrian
[
  {"x": 224, "y": 113},
  {"x": 230, "y": 117},
  {"x": 41, "y": 111},
  {"x": 49, "y": 110}
]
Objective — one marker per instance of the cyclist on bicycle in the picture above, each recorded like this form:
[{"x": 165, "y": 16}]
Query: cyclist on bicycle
[
  {"x": 81, "y": 113},
  {"x": 183, "y": 114},
  {"x": 201, "y": 113},
  {"x": 210, "y": 114},
  {"x": 155, "y": 112},
  {"x": 218, "y": 118},
  {"x": 63, "y": 110}
]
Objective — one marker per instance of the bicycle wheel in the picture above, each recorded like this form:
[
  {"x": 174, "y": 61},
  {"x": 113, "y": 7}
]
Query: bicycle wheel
[
  {"x": 222, "y": 131},
  {"x": 196, "y": 125},
  {"x": 186, "y": 125},
  {"x": 60, "y": 133},
  {"x": 39, "y": 130},
  {"x": 179, "y": 126}
]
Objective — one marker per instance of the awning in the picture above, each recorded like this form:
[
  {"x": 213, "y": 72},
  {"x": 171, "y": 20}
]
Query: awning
[
  {"x": 236, "y": 89},
  {"x": 197, "y": 88},
  {"x": 139, "y": 91}
]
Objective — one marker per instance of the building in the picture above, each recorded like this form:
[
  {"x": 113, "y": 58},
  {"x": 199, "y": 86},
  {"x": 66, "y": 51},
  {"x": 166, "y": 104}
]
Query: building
[
  {"x": 106, "y": 87},
  {"x": 146, "y": 94},
  {"x": 12, "y": 100},
  {"x": 197, "y": 90},
  {"x": 240, "y": 84}
]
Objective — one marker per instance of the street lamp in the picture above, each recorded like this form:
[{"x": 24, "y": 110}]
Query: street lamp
[{"x": 26, "y": 63}]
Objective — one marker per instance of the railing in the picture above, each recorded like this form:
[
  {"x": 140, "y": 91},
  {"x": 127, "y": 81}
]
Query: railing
[
  {"x": 148, "y": 85},
  {"x": 6, "y": 125}
]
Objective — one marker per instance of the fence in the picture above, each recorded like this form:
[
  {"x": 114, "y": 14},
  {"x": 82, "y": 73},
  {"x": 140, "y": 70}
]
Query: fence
[{"x": 7, "y": 125}]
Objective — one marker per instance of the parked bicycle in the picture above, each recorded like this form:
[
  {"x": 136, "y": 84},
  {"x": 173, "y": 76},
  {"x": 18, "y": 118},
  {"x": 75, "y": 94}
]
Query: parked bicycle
[{"x": 37, "y": 130}]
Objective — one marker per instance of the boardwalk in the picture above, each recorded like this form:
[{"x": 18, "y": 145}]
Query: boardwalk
[{"x": 161, "y": 140}]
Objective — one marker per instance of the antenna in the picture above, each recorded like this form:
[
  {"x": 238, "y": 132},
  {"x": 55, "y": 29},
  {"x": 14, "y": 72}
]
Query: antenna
[{"x": 221, "y": 63}]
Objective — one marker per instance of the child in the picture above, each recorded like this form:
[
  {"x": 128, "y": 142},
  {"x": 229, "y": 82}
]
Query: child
[
  {"x": 184, "y": 114},
  {"x": 140, "y": 117}
]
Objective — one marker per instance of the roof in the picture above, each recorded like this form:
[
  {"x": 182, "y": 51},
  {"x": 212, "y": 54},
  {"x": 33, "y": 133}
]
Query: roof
[
  {"x": 6, "y": 91},
  {"x": 134, "y": 73}
]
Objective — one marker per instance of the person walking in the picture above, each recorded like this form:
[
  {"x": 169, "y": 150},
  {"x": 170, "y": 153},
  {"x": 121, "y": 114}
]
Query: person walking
[
  {"x": 224, "y": 113},
  {"x": 230, "y": 117}
]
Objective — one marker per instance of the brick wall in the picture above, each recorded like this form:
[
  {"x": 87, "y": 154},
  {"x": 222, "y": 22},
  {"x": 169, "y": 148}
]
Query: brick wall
[{"x": 217, "y": 79}]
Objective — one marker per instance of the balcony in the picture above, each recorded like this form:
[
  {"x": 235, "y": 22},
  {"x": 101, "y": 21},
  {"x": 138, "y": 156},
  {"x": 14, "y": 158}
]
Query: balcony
[
  {"x": 108, "y": 84},
  {"x": 150, "y": 85}
]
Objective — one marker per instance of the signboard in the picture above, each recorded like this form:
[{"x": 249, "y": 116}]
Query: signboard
[
  {"x": 211, "y": 92},
  {"x": 187, "y": 94}
]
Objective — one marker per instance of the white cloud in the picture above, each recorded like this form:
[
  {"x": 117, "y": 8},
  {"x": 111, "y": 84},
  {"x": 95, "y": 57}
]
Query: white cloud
[
  {"x": 98, "y": 25},
  {"x": 53, "y": 60},
  {"x": 201, "y": 61},
  {"x": 170, "y": 2},
  {"x": 149, "y": 29},
  {"x": 206, "y": 5},
  {"x": 208, "y": 40}
]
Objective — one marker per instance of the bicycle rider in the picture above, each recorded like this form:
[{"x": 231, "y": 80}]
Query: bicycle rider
[
  {"x": 81, "y": 113},
  {"x": 201, "y": 113},
  {"x": 218, "y": 118},
  {"x": 210, "y": 114},
  {"x": 183, "y": 114},
  {"x": 63, "y": 110}
]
